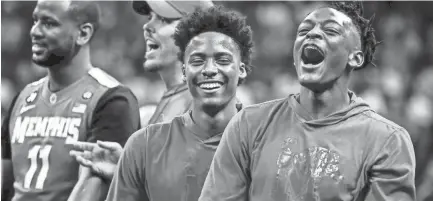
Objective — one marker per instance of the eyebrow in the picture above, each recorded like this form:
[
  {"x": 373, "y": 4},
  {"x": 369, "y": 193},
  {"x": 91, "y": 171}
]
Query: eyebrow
[{"x": 328, "y": 21}]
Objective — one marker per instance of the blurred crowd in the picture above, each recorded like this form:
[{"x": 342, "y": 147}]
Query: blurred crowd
[{"x": 399, "y": 87}]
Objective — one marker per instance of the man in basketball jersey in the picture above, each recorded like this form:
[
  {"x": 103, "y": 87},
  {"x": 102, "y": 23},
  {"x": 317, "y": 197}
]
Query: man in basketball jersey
[{"x": 74, "y": 102}]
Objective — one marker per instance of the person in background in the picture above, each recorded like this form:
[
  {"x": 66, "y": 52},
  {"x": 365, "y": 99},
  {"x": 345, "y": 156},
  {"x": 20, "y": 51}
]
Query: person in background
[{"x": 161, "y": 52}]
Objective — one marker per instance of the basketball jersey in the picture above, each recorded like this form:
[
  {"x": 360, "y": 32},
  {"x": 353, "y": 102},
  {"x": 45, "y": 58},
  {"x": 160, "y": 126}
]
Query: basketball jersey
[{"x": 41, "y": 124}]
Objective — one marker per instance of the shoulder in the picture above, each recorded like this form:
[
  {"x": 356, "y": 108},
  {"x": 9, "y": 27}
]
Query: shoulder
[
  {"x": 160, "y": 132},
  {"x": 136, "y": 143},
  {"x": 260, "y": 107},
  {"x": 382, "y": 127},
  {"x": 260, "y": 110},
  {"x": 381, "y": 133},
  {"x": 159, "y": 135},
  {"x": 110, "y": 88},
  {"x": 102, "y": 78},
  {"x": 29, "y": 88},
  {"x": 30, "y": 92}
]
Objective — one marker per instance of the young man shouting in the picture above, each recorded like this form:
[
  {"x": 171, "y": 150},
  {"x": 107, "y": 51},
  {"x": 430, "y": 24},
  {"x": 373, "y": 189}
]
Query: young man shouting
[{"x": 324, "y": 143}]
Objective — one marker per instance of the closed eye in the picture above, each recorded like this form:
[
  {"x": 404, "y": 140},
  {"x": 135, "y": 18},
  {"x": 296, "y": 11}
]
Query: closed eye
[
  {"x": 196, "y": 61},
  {"x": 331, "y": 31},
  {"x": 224, "y": 61}
]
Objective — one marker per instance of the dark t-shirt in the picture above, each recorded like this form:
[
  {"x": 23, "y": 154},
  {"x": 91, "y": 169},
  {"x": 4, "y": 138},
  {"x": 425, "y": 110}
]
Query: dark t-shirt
[
  {"x": 165, "y": 161},
  {"x": 41, "y": 123},
  {"x": 277, "y": 151}
]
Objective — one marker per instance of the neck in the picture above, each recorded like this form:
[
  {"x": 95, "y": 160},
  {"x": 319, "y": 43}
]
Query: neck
[
  {"x": 213, "y": 119},
  {"x": 322, "y": 104},
  {"x": 172, "y": 75},
  {"x": 64, "y": 74}
]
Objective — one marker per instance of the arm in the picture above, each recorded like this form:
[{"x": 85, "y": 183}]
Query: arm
[
  {"x": 7, "y": 170},
  {"x": 129, "y": 178},
  {"x": 392, "y": 176},
  {"x": 229, "y": 177},
  {"x": 115, "y": 118}
]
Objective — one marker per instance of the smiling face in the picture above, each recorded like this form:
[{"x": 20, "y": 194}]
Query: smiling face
[
  {"x": 53, "y": 33},
  {"x": 326, "y": 43},
  {"x": 212, "y": 68},
  {"x": 160, "y": 48}
]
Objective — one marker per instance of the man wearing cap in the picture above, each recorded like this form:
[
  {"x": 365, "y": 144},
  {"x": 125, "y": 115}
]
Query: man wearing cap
[{"x": 161, "y": 53}]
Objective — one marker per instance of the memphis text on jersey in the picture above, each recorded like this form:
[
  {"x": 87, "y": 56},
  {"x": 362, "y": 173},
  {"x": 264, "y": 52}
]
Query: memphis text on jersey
[{"x": 46, "y": 127}]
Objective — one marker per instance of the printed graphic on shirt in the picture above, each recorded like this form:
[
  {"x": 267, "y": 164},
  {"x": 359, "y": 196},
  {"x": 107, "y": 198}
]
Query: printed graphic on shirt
[{"x": 306, "y": 175}]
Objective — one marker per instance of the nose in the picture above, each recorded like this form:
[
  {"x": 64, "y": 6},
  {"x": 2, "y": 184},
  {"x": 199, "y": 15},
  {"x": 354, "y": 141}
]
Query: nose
[
  {"x": 149, "y": 27},
  {"x": 315, "y": 33},
  {"x": 209, "y": 70},
  {"x": 35, "y": 31}
]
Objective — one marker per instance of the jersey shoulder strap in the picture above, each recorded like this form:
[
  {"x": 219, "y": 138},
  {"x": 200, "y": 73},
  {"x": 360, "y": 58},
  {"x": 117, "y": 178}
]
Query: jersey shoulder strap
[{"x": 103, "y": 78}]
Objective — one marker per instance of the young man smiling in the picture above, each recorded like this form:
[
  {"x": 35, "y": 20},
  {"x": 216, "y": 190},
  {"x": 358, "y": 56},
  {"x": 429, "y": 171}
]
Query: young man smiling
[
  {"x": 324, "y": 143},
  {"x": 170, "y": 161}
]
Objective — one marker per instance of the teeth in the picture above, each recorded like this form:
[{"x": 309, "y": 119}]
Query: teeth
[
  {"x": 313, "y": 47},
  {"x": 151, "y": 45},
  {"x": 210, "y": 85}
]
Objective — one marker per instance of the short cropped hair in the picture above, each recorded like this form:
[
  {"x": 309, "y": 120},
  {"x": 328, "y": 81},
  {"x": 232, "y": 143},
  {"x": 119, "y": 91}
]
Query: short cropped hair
[
  {"x": 85, "y": 12},
  {"x": 355, "y": 11},
  {"x": 216, "y": 19}
]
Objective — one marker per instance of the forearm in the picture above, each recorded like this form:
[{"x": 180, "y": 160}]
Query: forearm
[
  {"x": 89, "y": 187},
  {"x": 94, "y": 189}
]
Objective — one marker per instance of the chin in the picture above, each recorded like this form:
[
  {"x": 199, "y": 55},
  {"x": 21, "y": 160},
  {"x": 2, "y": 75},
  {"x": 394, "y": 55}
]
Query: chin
[
  {"x": 316, "y": 86},
  {"x": 213, "y": 102},
  {"x": 50, "y": 59},
  {"x": 42, "y": 61},
  {"x": 151, "y": 65}
]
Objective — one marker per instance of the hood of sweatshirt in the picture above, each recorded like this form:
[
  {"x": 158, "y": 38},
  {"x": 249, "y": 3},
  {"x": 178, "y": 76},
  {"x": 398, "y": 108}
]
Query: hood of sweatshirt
[{"x": 356, "y": 106}]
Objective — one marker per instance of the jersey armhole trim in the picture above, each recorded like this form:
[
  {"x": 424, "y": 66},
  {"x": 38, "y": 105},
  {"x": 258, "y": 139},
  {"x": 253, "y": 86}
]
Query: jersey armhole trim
[{"x": 103, "y": 78}]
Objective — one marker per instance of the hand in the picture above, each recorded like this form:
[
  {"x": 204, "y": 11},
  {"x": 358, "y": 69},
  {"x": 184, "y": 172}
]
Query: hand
[{"x": 100, "y": 157}]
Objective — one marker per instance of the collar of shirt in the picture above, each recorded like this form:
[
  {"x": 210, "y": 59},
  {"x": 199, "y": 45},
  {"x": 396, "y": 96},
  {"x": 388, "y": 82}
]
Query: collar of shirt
[{"x": 206, "y": 136}]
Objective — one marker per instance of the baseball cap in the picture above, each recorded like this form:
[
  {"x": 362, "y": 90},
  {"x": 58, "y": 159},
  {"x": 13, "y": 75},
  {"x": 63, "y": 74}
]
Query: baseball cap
[{"x": 169, "y": 9}]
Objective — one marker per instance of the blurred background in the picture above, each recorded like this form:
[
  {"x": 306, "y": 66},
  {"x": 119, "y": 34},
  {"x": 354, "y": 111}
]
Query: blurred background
[{"x": 399, "y": 88}]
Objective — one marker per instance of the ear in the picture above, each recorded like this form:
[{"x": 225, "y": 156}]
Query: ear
[
  {"x": 183, "y": 73},
  {"x": 183, "y": 69},
  {"x": 85, "y": 34},
  {"x": 356, "y": 59},
  {"x": 242, "y": 71}
]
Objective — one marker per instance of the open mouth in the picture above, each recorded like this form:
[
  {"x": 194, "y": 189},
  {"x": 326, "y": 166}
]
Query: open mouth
[
  {"x": 210, "y": 86},
  {"x": 150, "y": 46},
  {"x": 312, "y": 54},
  {"x": 37, "y": 48}
]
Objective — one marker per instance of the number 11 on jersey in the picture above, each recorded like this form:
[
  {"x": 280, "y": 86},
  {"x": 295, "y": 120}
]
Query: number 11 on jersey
[{"x": 44, "y": 153}]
